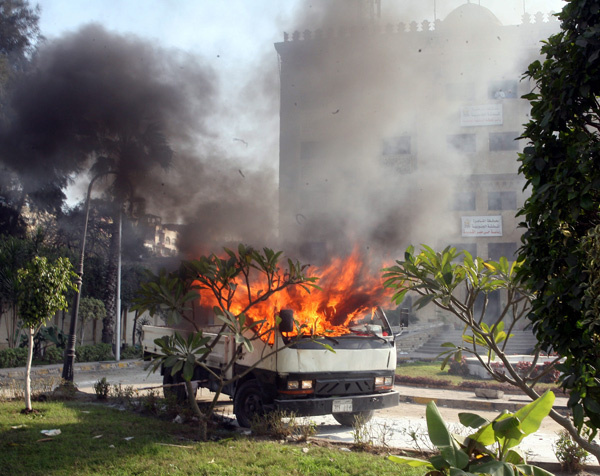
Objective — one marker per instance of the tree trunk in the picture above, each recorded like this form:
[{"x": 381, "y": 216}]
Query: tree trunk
[
  {"x": 11, "y": 327},
  {"x": 202, "y": 418},
  {"x": 30, "y": 333},
  {"x": 135, "y": 319},
  {"x": 110, "y": 298},
  {"x": 81, "y": 331}
]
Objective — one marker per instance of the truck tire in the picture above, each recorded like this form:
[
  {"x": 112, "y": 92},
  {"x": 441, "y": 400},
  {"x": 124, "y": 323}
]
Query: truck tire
[
  {"x": 178, "y": 392},
  {"x": 248, "y": 403},
  {"x": 348, "y": 419}
]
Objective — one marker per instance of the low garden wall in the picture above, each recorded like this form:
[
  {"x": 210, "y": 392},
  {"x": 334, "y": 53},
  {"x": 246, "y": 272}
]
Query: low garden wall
[{"x": 522, "y": 363}]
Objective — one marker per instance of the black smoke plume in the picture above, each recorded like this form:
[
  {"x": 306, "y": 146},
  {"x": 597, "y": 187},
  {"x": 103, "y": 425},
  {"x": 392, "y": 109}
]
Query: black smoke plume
[{"x": 93, "y": 93}]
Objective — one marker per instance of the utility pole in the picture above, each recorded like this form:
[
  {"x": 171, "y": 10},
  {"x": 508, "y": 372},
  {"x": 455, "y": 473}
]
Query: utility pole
[{"x": 67, "y": 373}]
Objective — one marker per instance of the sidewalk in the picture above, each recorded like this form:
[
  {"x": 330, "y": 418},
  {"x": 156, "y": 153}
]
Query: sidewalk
[
  {"x": 408, "y": 394},
  {"x": 467, "y": 400},
  {"x": 56, "y": 369}
]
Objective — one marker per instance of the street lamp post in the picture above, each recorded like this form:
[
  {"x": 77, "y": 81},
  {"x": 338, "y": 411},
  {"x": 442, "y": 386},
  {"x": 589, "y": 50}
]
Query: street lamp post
[{"x": 67, "y": 373}]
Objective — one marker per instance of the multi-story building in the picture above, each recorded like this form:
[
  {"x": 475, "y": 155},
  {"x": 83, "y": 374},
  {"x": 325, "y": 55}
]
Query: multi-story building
[{"x": 406, "y": 134}]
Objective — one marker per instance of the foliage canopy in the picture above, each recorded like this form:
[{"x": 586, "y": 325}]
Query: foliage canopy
[{"x": 560, "y": 165}]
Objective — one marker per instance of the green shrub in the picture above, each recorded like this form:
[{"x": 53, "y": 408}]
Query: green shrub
[
  {"x": 102, "y": 388},
  {"x": 460, "y": 368},
  {"x": 13, "y": 357},
  {"x": 131, "y": 352},
  {"x": 568, "y": 453},
  {"x": 54, "y": 355},
  {"x": 94, "y": 353}
]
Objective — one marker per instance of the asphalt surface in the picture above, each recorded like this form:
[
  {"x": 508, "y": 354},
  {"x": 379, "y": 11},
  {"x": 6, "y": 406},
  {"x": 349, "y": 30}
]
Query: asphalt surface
[{"x": 403, "y": 426}]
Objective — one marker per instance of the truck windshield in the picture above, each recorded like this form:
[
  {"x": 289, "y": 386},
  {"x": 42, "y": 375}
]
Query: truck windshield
[{"x": 371, "y": 322}]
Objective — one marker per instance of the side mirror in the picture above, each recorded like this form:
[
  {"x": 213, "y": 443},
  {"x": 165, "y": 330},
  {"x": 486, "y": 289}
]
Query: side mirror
[{"x": 287, "y": 320}]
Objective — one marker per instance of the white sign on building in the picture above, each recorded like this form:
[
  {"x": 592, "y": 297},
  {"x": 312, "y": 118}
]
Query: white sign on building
[
  {"x": 482, "y": 115},
  {"x": 482, "y": 226}
]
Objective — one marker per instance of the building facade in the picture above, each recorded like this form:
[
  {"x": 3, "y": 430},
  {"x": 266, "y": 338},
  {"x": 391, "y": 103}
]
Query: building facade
[
  {"x": 394, "y": 135},
  {"x": 408, "y": 130}
]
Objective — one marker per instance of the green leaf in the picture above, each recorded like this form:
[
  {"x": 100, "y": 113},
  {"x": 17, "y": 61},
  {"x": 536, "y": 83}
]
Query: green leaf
[
  {"x": 494, "y": 468},
  {"x": 413, "y": 462},
  {"x": 442, "y": 438},
  {"x": 508, "y": 428},
  {"x": 472, "y": 420},
  {"x": 531, "y": 470}
]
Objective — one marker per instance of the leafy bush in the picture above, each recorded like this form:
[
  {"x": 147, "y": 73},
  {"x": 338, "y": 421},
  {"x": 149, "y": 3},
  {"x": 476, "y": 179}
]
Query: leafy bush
[
  {"x": 458, "y": 367},
  {"x": 491, "y": 449},
  {"x": 102, "y": 387},
  {"x": 53, "y": 355},
  {"x": 131, "y": 352},
  {"x": 568, "y": 453},
  {"x": 13, "y": 358},
  {"x": 94, "y": 353}
]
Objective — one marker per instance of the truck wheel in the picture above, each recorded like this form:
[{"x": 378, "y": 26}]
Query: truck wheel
[
  {"x": 178, "y": 392},
  {"x": 348, "y": 419},
  {"x": 248, "y": 403}
]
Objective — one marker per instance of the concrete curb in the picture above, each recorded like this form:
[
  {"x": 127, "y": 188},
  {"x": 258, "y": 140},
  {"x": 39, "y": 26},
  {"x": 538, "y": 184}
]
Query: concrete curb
[
  {"x": 56, "y": 369},
  {"x": 482, "y": 405}
]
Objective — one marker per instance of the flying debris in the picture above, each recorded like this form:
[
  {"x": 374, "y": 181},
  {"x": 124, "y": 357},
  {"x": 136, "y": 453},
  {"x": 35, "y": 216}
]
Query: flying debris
[{"x": 241, "y": 173}]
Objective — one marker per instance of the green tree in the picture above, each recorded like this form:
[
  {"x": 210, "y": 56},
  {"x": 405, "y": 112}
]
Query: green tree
[
  {"x": 442, "y": 279},
  {"x": 90, "y": 309},
  {"x": 42, "y": 289},
  {"x": 132, "y": 277},
  {"x": 19, "y": 29},
  {"x": 19, "y": 36},
  {"x": 560, "y": 164},
  {"x": 125, "y": 152},
  {"x": 174, "y": 295},
  {"x": 14, "y": 254}
]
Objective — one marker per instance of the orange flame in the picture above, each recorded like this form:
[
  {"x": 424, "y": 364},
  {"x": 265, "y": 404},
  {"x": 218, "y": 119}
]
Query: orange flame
[{"x": 348, "y": 287}]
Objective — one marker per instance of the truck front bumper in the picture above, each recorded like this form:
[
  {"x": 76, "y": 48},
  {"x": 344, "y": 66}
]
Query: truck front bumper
[{"x": 346, "y": 404}]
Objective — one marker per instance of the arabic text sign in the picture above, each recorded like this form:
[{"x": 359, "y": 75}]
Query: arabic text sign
[
  {"x": 482, "y": 226},
  {"x": 482, "y": 115}
]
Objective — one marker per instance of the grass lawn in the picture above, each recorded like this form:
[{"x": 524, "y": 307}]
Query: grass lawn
[
  {"x": 432, "y": 372},
  {"x": 98, "y": 440},
  {"x": 429, "y": 370}
]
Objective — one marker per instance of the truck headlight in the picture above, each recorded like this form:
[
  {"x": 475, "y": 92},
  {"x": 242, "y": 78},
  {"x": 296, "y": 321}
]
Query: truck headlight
[
  {"x": 299, "y": 384},
  {"x": 384, "y": 382}
]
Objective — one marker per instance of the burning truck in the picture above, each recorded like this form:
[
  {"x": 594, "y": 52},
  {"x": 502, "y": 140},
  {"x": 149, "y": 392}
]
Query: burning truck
[{"x": 342, "y": 363}]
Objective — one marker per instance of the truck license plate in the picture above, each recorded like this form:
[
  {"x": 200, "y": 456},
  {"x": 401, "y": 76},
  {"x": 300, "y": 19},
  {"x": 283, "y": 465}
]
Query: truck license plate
[{"x": 342, "y": 406}]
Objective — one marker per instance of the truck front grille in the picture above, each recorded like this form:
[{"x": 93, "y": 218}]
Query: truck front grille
[{"x": 325, "y": 388}]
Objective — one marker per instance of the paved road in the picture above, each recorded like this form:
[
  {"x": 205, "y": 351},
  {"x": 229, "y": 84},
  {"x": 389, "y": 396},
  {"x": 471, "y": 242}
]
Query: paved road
[{"x": 395, "y": 427}]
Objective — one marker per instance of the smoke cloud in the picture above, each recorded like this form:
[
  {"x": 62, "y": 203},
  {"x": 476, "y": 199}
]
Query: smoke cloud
[
  {"x": 377, "y": 105},
  {"x": 366, "y": 89},
  {"x": 95, "y": 93}
]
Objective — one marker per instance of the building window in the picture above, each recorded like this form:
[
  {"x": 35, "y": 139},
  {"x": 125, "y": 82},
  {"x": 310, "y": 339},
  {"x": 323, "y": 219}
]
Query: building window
[
  {"x": 396, "y": 146},
  {"x": 396, "y": 153},
  {"x": 502, "y": 200},
  {"x": 503, "y": 141},
  {"x": 308, "y": 150},
  {"x": 504, "y": 89},
  {"x": 464, "y": 201},
  {"x": 463, "y": 143},
  {"x": 497, "y": 250}
]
